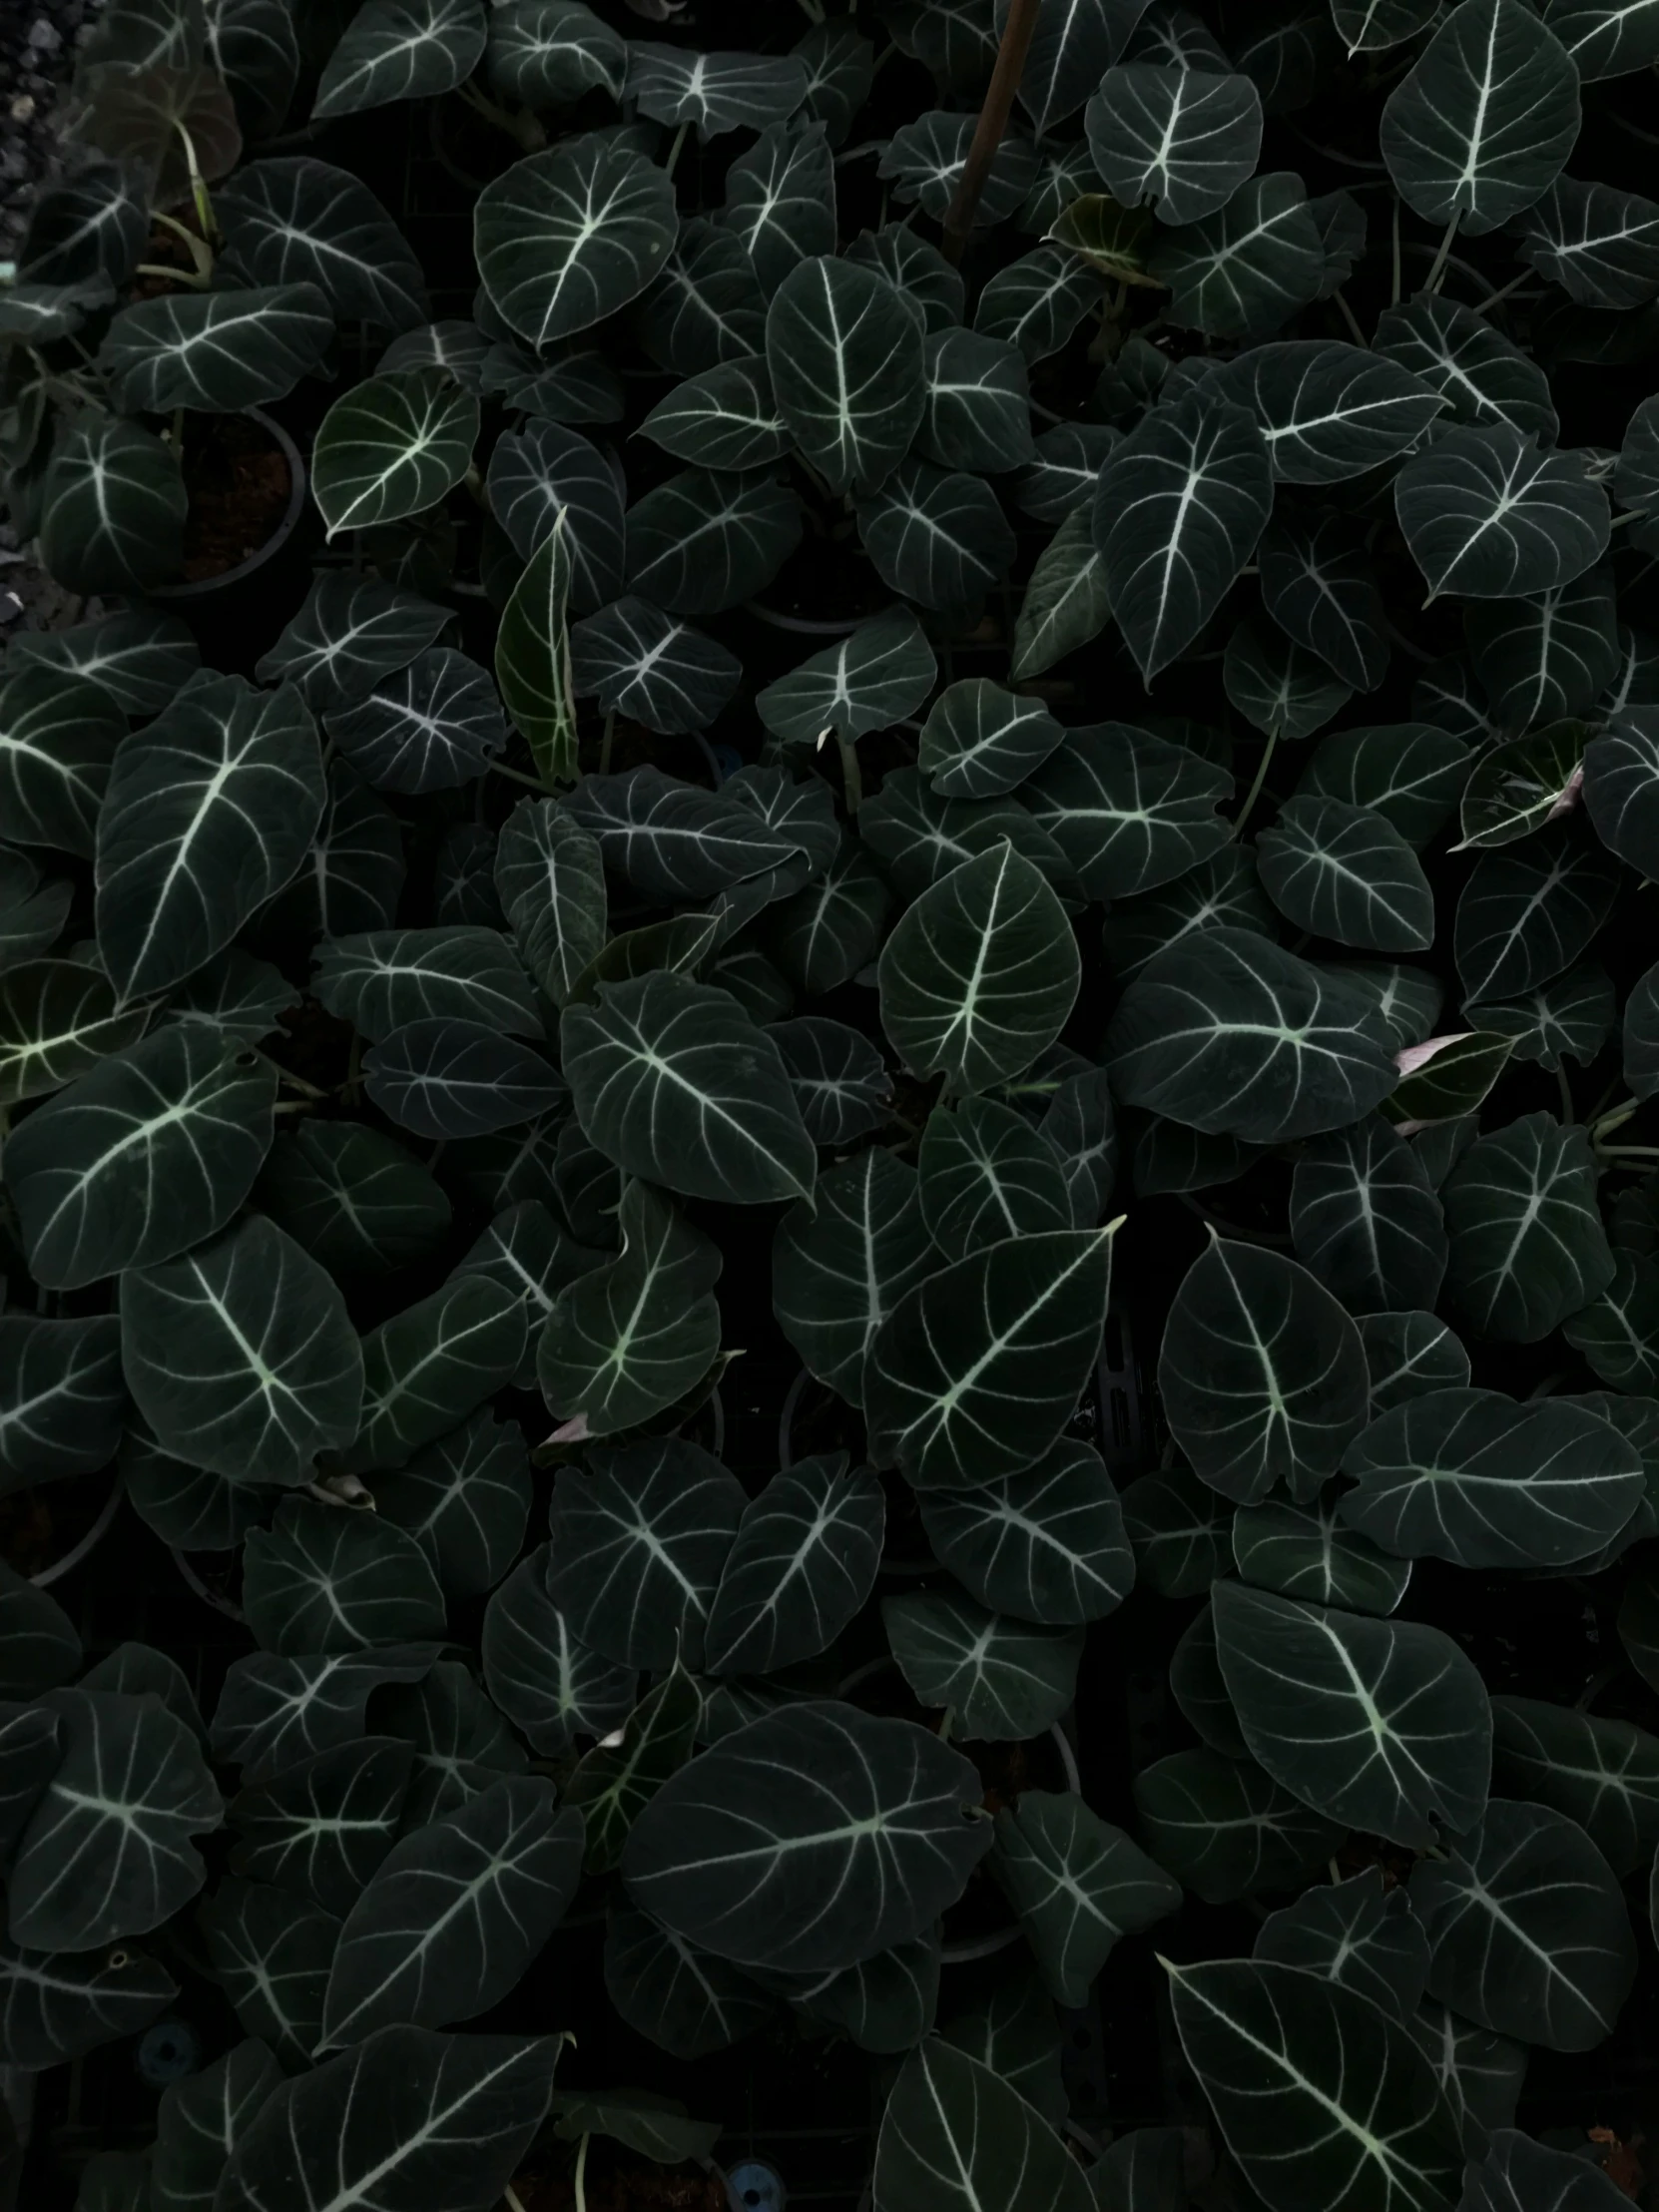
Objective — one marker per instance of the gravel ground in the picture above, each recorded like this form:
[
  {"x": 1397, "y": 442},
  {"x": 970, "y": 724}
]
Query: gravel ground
[{"x": 37, "y": 54}]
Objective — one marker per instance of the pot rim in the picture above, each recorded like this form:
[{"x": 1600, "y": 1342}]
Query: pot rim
[{"x": 202, "y": 586}]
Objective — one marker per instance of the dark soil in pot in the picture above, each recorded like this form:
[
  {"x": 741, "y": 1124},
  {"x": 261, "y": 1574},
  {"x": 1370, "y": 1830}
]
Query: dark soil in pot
[
  {"x": 38, "y": 1527},
  {"x": 239, "y": 486},
  {"x": 621, "y": 2186}
]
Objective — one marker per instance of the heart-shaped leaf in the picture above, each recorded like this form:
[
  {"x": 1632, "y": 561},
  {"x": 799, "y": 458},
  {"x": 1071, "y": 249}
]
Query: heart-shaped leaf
[
  {"x": 1245, "y": 268},
  {"x": 989, "y": 1392},
  {"x": 1488, "y": 516},
  {"x": 1180, "y": 504},
  {"x": 1001, "y": 1680},
  {"x": 567, "y": 237},
  {"x": 805, "y": 1559},
  {"x": 113, "y": 507},
  {"x": 1261, "y": 1373},
  {"x": 811, "y": 1839},
  {"x": 1484, "y": 120},
  {"x": 402, "y": 50},
  {"x": 1077, "y": 1883},
  {"x": 392, "y": 446},
  {"x": 840, "y": 1267},
  {"x": 292, "y": 219},
  {"x": 1382, "y": 1725},
  {"x": 1528, "y": 1929},
  {"x": 1527, "y": 1245},
  {"x": 216, "y": 351},
  {"x": 1471, "y": 1477},
  {"x": 1327, "y": 411},
  {"x": 1182, "y": 139},
  {"x": 1225, "y": 1828}
]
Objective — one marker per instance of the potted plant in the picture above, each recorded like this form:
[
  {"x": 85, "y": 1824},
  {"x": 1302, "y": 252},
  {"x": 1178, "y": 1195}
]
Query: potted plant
[{"x": 586, "y": 1155}]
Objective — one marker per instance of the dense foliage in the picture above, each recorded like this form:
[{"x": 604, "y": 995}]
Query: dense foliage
[{"x": 1200, "y": 878}]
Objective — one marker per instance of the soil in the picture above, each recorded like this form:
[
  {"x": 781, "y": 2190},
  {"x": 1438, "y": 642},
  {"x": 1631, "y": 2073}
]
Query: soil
[
  {"x": 622, "y": 2189},
  {"x": 240, "y": 484},
  {"x": 37, "y": 1528}
]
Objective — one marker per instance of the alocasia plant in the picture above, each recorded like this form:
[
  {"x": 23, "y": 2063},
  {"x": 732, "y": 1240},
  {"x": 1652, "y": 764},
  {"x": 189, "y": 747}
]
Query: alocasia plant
[{"x": 1032, "y": 686}]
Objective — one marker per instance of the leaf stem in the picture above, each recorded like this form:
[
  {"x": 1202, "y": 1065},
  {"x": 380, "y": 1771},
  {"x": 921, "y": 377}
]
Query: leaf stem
[
  {"x": 606, "y": 740},
  {"x": 582, "y": 2174},
  {"x": 1394, "y": 296},
  {"x": 853, "y": 781},
  {"x": 993, "y": 120},
  {"x": 674, "y": 150},
  {"x": 1568, "y": 1112},
  {"x": 1436, "y": 267},
  {"x": 1352, "y": 320},
  {"x": 1255, "y": 790}
]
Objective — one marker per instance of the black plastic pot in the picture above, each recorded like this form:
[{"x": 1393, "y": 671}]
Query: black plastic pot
[{"x": 237, "y": 614}]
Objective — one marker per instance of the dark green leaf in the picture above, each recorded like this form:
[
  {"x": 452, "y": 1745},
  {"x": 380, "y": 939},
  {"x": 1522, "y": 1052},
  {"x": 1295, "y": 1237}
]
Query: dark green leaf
[{"x": 565, "y": 237}]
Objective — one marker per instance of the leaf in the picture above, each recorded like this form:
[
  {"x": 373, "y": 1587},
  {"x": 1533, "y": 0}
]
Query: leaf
[
  {"x": 199, "y": 2121},
  {"x": 1183, "y": 140},
  {"x": 641, "y": 1535},
  {"x": 954, "y": 2135},
  {"x": 641, "y": 662},
  {"x": 427, "y": 1368},
  {"x": 209, "y": 812},
  {"x": 725, "y": 418},
  {"x": 686, "y": 2000},
  {"x": 452, "y": 1078},
  {"x": 1522, "y": 783},
  {"x": 634, "y": 1335},
  {"x": 350, "y": 631},
  {"x": 58, "y": 2005},
  {"x": 321, "y": 1825},
  {"x": 802, "y": 1564},
  {"x": 1517, "y": 2172},
  {"x": 1345, "y": 873},
  {"x": 1527, "y": 1245},
  {"x": 1275, "y": 685},
  {"x": 1481, "y": 376},
  {"x": 113, "y": 507},
  {"x": 1618, "y": 1331},
  {"x": 379, "y": 980},
  {"x": 58, "y": 1018},
  {"x": 1226, "y": 1033},
  {"x": 62, "y": 1398},
  {"x": 1356, "y": 1934},
  {"x": 1371, "y": 26},
  {"x": 717, "y": 91},
  {"x": 842, "y": 1267},
  {"x": 108, "y": 1851},
  {"x": 1381, "y": 1725},
  {"x": 567, "y": 237},
  {"x": 1037, "y": 302},
  {"x": 549, "y": 52},
  {"x": 1224, "y": 1829},
  {"x": 1001, "y": 1680},
  {"x": 1261, "y": 1374},
  {"x": 325, "y": 1580},
  {"x": 839, "y": 1079},
  {"x": 781, "y": 200},
  {"x": 1329, "y": 411},
  {"x": 1605, "y": 40},
  {"x": 673, "y": 1082},
  {"x": 1065, "y": 603},
  {"x": 544, "y": 474},
  {"x": 617, "y": 1779},
  {"x": 400, "y": 50},
  {"x": 1526, "y": 913},
  {"x": 91, "y": 224},
  {"x": 452, "y": 1917},
  {"x": 1320, "y": 2098},
  {"x": 1180, "y": 504},
  {"x": 977, "y": 404},
  {"x": 355, "y": 1199},
  {"x": 703, "y": 542},
  {"x": 216, "y": 351},
  {"x": 297, "y": 220},
  {"x": 980, "y": 972},
  {"x": 926, "y": 156},
  {"x": 675, "y": 842},
  {"x": 241, "y": 1355},
  {"x": 533, "y": 659},
  {"x": 1600, "y": 1772},
  {"x": 1600, "y": 245},
  {"x": 1528, "y": 1929},
  {"x": 1473, "y": 1477},
  {"x": 706, "y": 307},
  {"x": 145, "y": 1154},
  {"x": 1320, "y": 588},
  {"x": 1489, "y": 516},
  {"x": 986, "y": 1174},
  {"x": 1247, "y": 267},
  {"x": 938, "y": 537},
  {"x": 392, "y": 446},
  {"x": 1127, "y": 808},
  {"x": 1045, "y": 1544},
  {"x": 274, "y": 1711},
  {"x": 137, "y": 660},
  {"x": 1078, "y": 1885},
  {"x": 271, "y": 1955},
  {"x": 408, "y": 2117},
  {"x": 809, "y": 1839},
  {"x": 1484, "y": 120},
  {"x": 1066, "y": 460},
  {"x": 1621, "y": 788}
]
